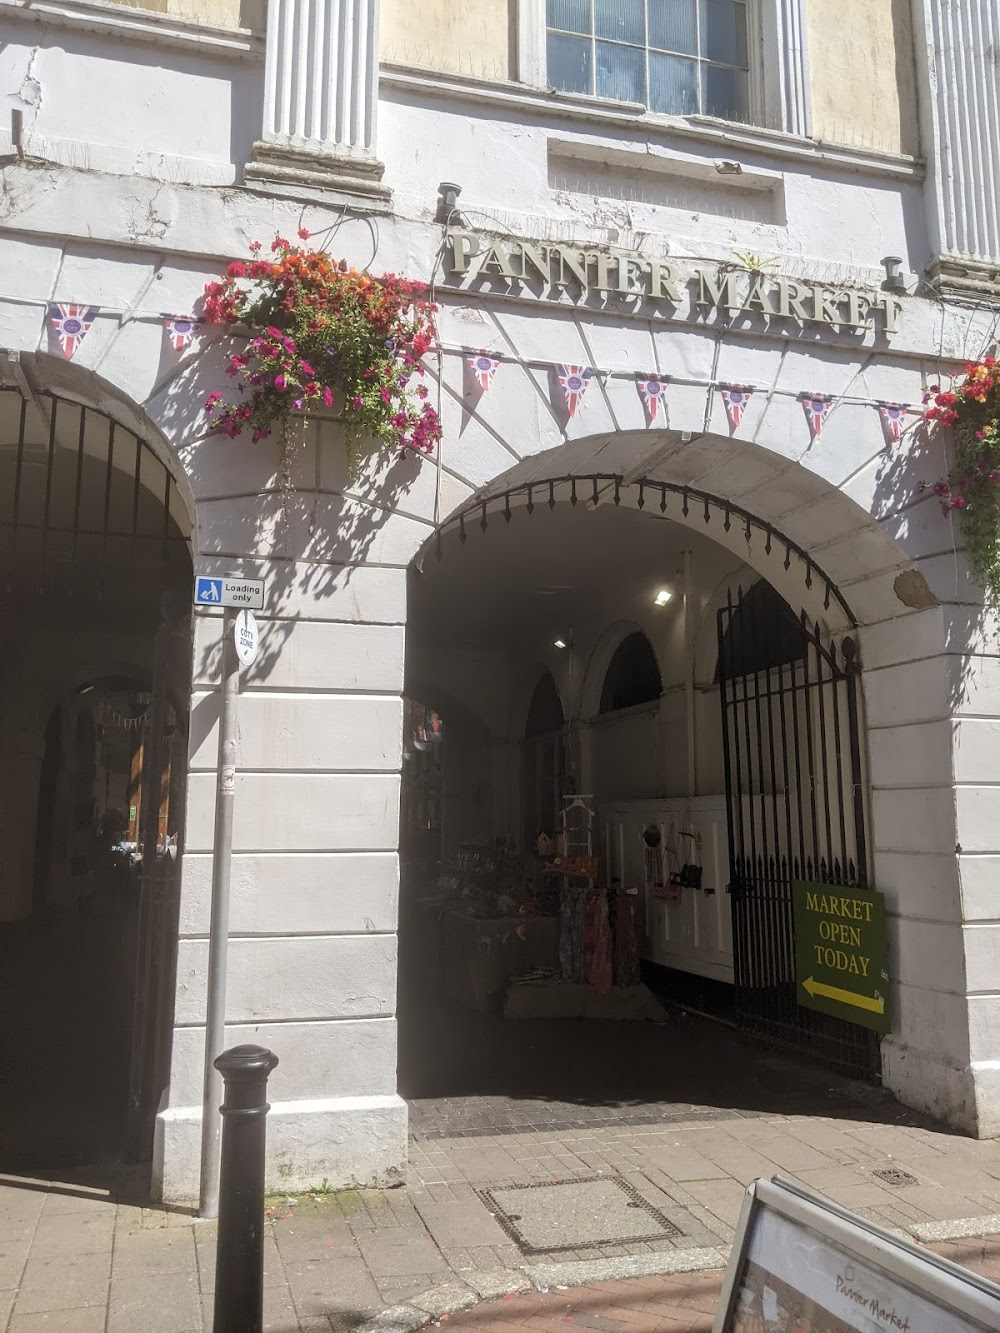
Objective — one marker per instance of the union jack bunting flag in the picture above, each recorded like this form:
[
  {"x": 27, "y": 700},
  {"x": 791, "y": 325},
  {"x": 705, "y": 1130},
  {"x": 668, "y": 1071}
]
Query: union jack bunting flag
[
  {"x": 71, "y": 324},
  {"x": 180, "y": 330},
  {"x": 483, "y": 367},
  {"x": 651, "y": 389},
  {"x": 817, "y": 407},
  {"x": 735, "y": 397},
  {"x": 574, "y": 381},
  {"x": 893, "y": 417}
]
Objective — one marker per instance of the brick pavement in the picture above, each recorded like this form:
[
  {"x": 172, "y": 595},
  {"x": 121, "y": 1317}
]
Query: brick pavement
[
  {"x": 684, "y": 1303},
  {"x": 684, "y": 1143},
  {"x": 72, "y": 1260}
]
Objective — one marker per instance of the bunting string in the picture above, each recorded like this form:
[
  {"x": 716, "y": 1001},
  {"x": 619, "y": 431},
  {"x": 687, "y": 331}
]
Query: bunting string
[{"x": 70, "y": 322}]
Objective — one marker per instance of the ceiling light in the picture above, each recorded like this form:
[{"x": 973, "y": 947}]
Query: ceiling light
[
  {"x": 663, "y": 597},
  {"x": 560, "y": 643}
]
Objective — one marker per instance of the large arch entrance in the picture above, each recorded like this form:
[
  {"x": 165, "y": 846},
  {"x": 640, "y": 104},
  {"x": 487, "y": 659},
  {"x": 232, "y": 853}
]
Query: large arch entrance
[
  {"x": 704, "y": 670},
  {"x": 95, "y": 572}
]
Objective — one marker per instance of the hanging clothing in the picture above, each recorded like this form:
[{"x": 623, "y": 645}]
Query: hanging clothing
[
  {"x": 597, "y": 942},
  {"x": 626, "y": 942},
  {"x": 572, "y": 903}
]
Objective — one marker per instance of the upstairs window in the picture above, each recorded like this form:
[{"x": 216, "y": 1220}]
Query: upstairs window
[
  {"x": 633, "y": 676},
  {"x": 676, "y": 57}
]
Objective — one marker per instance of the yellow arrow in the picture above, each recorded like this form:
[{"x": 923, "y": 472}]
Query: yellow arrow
[{"x": 843, "y": 996}]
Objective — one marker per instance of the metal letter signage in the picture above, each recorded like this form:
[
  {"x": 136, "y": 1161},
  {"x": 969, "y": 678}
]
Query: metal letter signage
[
  {"x": 248, "y": 593},
  {"x": 639, "y": 284},
  {"x": 840, "y": 953},
  {"x": 801, "y": 1264}
]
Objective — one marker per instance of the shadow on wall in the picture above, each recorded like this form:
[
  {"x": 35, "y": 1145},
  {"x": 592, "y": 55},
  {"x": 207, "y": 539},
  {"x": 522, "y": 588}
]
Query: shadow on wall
[
  {"x": 913, "y": 517},
  {"x": 313, "y": 542}
]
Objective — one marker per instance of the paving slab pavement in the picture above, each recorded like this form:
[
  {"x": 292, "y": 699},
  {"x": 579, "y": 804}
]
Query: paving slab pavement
[{"x": 74, "y": 1259}]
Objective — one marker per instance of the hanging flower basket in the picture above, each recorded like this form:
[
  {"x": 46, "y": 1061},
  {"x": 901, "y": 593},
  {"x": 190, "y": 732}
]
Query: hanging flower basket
[
  {"x": 972, "y": 487},
  {"x": 320, "y": 336}
]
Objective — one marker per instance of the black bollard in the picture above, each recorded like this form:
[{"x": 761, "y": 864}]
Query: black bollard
[{"x": 239, "y": 1250}]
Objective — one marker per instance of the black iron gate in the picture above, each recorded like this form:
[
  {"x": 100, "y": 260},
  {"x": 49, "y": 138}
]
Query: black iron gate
[{"x": 797, "y": 808}]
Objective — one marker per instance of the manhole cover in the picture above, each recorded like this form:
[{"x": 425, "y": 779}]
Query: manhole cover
[
  {"x": 892, "y": 1175},
  {"x": 576, "y": 1214}
]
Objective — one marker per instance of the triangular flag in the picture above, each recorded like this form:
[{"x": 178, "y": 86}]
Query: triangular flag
[
  {"x": 483, "y": 366},
  {"x": 71, "y": 324},
  {"x": 651, "y": 389},
  {"x": 893, "y": 416},
  {"x": 817, "y": 407},
  {"x": 735, "y": 397},
  {"x": 180, "y": 330},
  {"x": 574, "y": 381}
]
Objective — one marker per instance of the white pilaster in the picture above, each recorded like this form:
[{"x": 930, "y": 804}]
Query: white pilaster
[
  {"x": 320, "y": 102},
  {"x": 956, "y": 43},
  {"x": 531, "y": 42},
  {"x": 780, "y": 72}
]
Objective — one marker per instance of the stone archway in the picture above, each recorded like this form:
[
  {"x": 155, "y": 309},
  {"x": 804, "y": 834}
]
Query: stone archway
[
  {"x": 95, "y": 551},
  {"x": 847, "y": 566}
]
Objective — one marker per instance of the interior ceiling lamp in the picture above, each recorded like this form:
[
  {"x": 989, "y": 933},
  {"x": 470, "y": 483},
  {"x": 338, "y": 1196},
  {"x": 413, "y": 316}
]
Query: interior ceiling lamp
[
  {"x": 662, "y": 597},
  {"x": 560, "y": 643}
]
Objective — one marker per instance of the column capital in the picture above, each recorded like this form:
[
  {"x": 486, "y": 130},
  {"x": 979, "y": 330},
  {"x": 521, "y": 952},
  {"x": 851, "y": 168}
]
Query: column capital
[{"x": 320, "y": 102}]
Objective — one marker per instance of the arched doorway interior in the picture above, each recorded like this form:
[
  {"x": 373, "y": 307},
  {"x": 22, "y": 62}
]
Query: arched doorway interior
[{"x": 94, "y": 609}]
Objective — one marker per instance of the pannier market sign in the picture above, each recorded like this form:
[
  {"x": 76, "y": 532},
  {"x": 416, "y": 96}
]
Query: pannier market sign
[{"x": 612, "y": 274}]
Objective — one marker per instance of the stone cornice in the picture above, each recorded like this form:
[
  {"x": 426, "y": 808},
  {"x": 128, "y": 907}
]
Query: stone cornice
[{"x": 115, "y": 20}]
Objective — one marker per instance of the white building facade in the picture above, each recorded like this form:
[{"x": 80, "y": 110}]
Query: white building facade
[{"x": 795, "y": 198}]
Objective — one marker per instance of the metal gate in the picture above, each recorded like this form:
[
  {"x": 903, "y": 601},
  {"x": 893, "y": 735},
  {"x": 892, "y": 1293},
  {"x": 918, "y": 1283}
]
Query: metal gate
[{"x": 796, "y": 805}]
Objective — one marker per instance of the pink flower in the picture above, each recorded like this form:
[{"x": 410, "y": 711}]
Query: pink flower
[
  {"x": 307, "y": 369},
  {"x": 328, "y": 395},
  {"x": 958, "y": 502},
  {"x": 280, "y": 383},
  {"x": 357, "y": 402},
  {"x": 303, "y": 234},
  {"x": 237, "y": 269}
]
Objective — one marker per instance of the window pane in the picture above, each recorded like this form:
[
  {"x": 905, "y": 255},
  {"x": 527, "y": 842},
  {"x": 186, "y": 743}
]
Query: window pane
[
  {"x": 621, "y": 72},
  {"x": 724, "y": 32},
  {"x": 569, "y": 63},
  {"x": 724, "y": 92},
  {"x": 673, "y": 85},
  {"x": 569, "y": 15},
  {"x": 672, "y": 26},
  {"x": 623, "y": 20}
]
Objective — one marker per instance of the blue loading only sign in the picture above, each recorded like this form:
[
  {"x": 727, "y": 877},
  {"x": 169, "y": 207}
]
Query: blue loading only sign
[{"x": 245, "y": 593}]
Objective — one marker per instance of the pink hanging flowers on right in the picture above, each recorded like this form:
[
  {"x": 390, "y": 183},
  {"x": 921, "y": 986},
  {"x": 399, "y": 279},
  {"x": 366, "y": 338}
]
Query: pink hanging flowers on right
[{"x": 972, "y": 488}]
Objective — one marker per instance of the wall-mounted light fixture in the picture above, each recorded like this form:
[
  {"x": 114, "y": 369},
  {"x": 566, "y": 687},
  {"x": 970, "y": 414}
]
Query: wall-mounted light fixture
[
  {"x": 895, "y": 278},
  {"x": 662, "y": 597},
  {"x": 447, "y": 202},
  {"x": 560, "y": 643}
]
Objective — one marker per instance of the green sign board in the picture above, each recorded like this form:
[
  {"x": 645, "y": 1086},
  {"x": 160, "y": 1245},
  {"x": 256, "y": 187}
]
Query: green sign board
[{"x": 841, "y": 964}]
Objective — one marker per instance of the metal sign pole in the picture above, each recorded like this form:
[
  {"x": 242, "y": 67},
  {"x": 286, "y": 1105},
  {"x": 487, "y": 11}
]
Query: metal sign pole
[{"x": 215, "y": 1026}]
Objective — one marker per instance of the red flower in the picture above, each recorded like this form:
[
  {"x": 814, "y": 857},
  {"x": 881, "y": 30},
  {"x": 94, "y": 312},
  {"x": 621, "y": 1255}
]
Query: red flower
[{"x": 303, "y": 234}]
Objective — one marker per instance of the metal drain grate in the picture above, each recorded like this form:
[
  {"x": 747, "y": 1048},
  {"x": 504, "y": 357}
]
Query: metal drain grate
[
  {"x": 894, "y": 1175},
  {"x": 561, "y": 1215}
]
